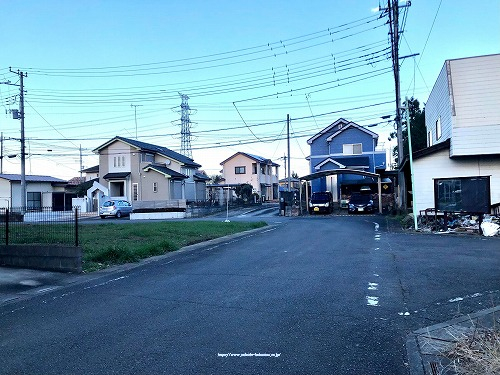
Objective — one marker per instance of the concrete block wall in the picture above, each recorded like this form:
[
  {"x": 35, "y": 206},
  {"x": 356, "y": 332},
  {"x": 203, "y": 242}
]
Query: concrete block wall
[{"x": 44, "y": 257}]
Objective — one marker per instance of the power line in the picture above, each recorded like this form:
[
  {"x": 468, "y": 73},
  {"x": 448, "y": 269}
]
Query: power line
[{"x": 210, "y": 58}]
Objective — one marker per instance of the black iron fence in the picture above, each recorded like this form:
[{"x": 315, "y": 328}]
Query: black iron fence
[{"x": 38, "y": 226}]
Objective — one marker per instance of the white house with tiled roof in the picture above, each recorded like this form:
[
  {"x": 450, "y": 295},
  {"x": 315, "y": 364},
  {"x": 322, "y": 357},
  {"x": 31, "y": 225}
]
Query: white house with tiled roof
[{"x": 260, "y": 172}]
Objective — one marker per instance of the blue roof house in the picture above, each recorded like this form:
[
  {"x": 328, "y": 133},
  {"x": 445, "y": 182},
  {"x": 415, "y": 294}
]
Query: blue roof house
[{"x": 345, "y": 145}]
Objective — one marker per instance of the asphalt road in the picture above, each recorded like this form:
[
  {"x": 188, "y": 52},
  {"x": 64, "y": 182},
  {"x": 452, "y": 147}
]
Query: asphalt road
[{"x": 313, "y": 295}]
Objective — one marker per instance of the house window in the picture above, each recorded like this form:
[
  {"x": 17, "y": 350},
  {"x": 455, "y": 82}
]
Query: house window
[
  {"x": 34, "y": 201},
  {"x": 254, "y": 168},
  {"x": 155, "y": 187},
  {"x": 135, "y": 191},
  {"x": 353, "y": 149},
  {"x": 262, "y": 169},
  {"x": 187, "y": 172},
  {"x": 239, "y": 170},
  {"x": 429, "y": 139},
  {"x": 119, "y": 161},
  {"x": 147, "y": 158},
  {"x": 438, "y": 128},
  {"x": 470, "y": 194}
]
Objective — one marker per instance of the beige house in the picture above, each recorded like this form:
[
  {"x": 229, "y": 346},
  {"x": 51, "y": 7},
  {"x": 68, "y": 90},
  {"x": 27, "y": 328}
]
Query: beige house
[
  {"x": 140, "y": 171},
  {"x": 41, "y": 192},
  {"x": 261, "y": 173}
]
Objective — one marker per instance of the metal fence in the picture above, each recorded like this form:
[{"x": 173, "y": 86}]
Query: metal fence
[{"x": 38, "y": 226}]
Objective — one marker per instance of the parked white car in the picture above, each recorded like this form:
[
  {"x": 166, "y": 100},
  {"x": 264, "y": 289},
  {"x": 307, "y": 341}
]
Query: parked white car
[{"x": 116, "y": 208}]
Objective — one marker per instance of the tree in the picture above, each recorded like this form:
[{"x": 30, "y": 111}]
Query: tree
[
  {"x": 216, "y": 179},
  {"x": 418, "y": 131},
  {"x": 244, "y": 192}
]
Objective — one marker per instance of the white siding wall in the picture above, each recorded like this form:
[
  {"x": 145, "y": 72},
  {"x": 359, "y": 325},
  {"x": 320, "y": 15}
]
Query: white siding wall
[
  {"x": 439, "y": 165},
  {"x": 5, "y": 199},
  {"x": 439, "y": 106},
  {"x": 476, "y": 92}
]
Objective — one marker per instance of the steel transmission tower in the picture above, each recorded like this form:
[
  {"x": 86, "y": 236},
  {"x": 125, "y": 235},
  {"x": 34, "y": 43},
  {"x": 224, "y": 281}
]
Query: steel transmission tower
[{"x": 185, "y": 127}]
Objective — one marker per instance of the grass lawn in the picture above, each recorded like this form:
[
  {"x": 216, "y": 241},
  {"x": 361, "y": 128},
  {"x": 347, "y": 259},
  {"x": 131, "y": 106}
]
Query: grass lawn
[{"x": 116, "y": 243}]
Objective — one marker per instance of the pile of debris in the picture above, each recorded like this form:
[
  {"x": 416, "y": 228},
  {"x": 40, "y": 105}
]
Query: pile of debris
[{"x": 488, "y": 225}]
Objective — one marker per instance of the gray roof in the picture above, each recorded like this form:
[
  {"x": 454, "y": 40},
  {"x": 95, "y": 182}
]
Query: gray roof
[
  {"x": 201, "y": 176},
  {"x": 32, "y": 178},
  {"x": 154, "y": 149},
  {"x": 116, "y": 175},
  {"x": 167, "y": 171},
  {"x": 260, "y": 159},
  {"x": 94, "y": 169}
]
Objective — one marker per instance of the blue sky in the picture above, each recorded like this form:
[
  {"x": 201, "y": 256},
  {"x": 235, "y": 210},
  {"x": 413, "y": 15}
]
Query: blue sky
[{"x": 244, "y": 66}]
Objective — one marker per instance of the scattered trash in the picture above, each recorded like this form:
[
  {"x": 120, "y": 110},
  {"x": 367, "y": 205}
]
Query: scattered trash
[
  {"x": 439, "y": 222},
  {"x": 489, "y": 229}
]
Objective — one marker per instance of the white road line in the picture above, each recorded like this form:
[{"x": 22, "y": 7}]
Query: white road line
[
  {"x": 47, "y": 289},
  {"x": 269, "y": 230},
  {"x": 106, "y": 282}
]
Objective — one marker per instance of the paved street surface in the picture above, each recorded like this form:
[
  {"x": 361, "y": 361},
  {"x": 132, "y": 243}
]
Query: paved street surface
[{"x": 313, "y": 295}]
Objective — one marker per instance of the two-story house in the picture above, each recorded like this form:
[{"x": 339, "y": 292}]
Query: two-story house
[
  {"x": 460, "y": 168},
  {"x": 140, "y": 171},
  {"x": 261, "y": 173},
  {"x": 345, "y": 145}
]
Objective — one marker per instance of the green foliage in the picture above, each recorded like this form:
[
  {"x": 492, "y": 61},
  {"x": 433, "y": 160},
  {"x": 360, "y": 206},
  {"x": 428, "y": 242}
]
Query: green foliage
[
  {"x": 118, "y": 243},
  {"x": 418, "y": 131},
  {"x": 216, "y": 179},
  {"x": 244, "y": 192}
]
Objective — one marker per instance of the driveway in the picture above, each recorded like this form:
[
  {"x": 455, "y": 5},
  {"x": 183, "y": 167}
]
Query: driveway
[{"x": 316, "y": 295}]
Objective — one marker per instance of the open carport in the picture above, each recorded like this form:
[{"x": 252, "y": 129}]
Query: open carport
[{"x": 320, "y": 174}]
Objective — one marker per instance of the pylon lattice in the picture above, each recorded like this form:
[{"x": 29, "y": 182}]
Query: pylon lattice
[{"x": 185, "y": 128}]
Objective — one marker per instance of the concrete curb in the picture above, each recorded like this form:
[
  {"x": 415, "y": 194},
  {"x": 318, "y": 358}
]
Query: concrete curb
[{"x": 423, "y": 345}]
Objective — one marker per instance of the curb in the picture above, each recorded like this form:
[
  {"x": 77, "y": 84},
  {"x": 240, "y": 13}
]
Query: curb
[{"x": 423, "y": 361}]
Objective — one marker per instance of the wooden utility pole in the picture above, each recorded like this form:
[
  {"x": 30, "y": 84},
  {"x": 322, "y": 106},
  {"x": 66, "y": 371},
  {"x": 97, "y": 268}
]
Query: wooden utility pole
[{"x": 393, "y": 14}]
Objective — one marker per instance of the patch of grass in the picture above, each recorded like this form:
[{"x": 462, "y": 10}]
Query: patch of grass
[{"x": 117, "y": 243}]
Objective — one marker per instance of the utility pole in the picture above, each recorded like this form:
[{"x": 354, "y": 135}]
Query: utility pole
[
  {"x": 23, "y": 148},
  {"x": 408, "y": 126},
  {"x": 284, "y": 161},
  {"x": 81, "y": 163},
  {"x": 393, "y": 13},
  {"x": 1, "y": 153},
  {"x": 135, "y": 116},
  {"x": 288, "y": 147}
]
